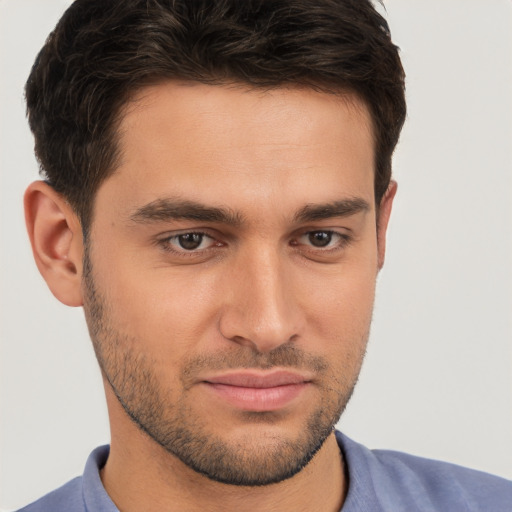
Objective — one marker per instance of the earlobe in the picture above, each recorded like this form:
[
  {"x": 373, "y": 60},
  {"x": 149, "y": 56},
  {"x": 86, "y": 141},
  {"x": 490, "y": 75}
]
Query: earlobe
[
  {"x": 385, "y": 207},
  {"x": 56, "y": 237}
]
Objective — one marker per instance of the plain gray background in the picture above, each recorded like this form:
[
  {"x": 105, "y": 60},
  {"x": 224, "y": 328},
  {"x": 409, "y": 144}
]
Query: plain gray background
[{"x": 437, "y": 380}]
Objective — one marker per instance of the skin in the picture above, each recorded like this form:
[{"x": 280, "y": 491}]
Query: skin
[{"x": 258, "y": 293}]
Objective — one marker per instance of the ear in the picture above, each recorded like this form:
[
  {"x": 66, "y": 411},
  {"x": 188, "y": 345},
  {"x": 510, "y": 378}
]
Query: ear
[
  {"x": 56, "y": 238},
  {"x": 386, "y": 204}
]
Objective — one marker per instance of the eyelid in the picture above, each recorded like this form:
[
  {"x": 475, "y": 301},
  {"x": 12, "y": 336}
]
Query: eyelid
[
  {"x": 343, "y": 239},
  {"x": 164, "y": 241}
]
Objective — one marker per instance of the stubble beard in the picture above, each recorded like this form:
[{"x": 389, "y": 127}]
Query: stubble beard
[{"x": 173, "y": 425}]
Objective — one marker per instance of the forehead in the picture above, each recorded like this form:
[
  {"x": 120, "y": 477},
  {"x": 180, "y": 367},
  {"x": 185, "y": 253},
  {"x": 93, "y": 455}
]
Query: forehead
[
  {"x": 240, "y": 146},
  {"x": 237, "y": 111}
]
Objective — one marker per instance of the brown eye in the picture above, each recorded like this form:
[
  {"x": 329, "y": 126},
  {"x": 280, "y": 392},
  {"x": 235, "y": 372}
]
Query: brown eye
[
  {"x": 190, "y": 241},
  {"x": 320, "y": 238}
]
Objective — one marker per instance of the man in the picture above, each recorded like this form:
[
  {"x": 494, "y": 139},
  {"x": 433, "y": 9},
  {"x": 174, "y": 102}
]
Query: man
[{"x": 217, "y": 197}]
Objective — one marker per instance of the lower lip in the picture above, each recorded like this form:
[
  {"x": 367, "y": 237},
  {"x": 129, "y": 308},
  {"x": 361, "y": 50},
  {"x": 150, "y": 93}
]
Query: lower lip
[{"x": 258, "y": 399}]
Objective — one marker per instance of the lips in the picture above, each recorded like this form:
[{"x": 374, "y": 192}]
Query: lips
[{"x": 255, "y": 391}]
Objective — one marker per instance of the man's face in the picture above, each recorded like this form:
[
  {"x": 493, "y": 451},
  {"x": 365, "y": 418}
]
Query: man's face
[{"x": 230, "y": 272}]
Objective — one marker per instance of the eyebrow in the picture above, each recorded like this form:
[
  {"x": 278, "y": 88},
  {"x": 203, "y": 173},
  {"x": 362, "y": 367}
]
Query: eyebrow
[
  {"x": 343, "y": 208},
  {"x": 162, "y": 210}
]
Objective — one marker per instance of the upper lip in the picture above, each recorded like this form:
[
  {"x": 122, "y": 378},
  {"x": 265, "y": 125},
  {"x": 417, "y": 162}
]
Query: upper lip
[{"x": 254, "y": 379}]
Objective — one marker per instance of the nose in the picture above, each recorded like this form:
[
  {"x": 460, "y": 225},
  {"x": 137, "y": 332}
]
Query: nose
[{"x": 261, "y": 309}]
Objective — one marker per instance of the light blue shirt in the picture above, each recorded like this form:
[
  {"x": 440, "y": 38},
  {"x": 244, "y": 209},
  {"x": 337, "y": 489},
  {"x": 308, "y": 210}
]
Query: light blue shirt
[{"x": 379, "y": 481}]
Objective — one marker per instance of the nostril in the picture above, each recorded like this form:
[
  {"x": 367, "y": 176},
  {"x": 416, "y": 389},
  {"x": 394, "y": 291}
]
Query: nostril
[{"x": 244, "y": 342}]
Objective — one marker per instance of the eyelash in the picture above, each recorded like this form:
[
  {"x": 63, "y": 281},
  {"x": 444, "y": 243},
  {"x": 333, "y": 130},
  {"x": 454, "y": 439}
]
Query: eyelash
[
  {"x": 167, "y": 243},
  {"x": 343, "y": 239}
]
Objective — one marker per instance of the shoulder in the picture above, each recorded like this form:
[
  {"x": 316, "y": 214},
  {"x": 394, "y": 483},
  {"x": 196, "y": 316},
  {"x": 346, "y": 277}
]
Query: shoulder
[
  {"x": 80, "y": 494},
  {"x": 443, "y": 483},
  {"x": 408, "y": 481},
  {"x": 66, "y": 498}
]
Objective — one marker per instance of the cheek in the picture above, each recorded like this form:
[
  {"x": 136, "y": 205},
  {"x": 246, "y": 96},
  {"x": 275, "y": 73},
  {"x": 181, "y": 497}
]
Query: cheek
[
  {"x": 170, "y": 311},
  {"x": 341, "y": 319},
  {"x": 340, "y": 302},
  {"x": 161, "y": 309}
]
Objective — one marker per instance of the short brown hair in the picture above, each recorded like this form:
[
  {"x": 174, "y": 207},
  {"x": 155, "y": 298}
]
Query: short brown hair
[{"x": 103, "y": 51}]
